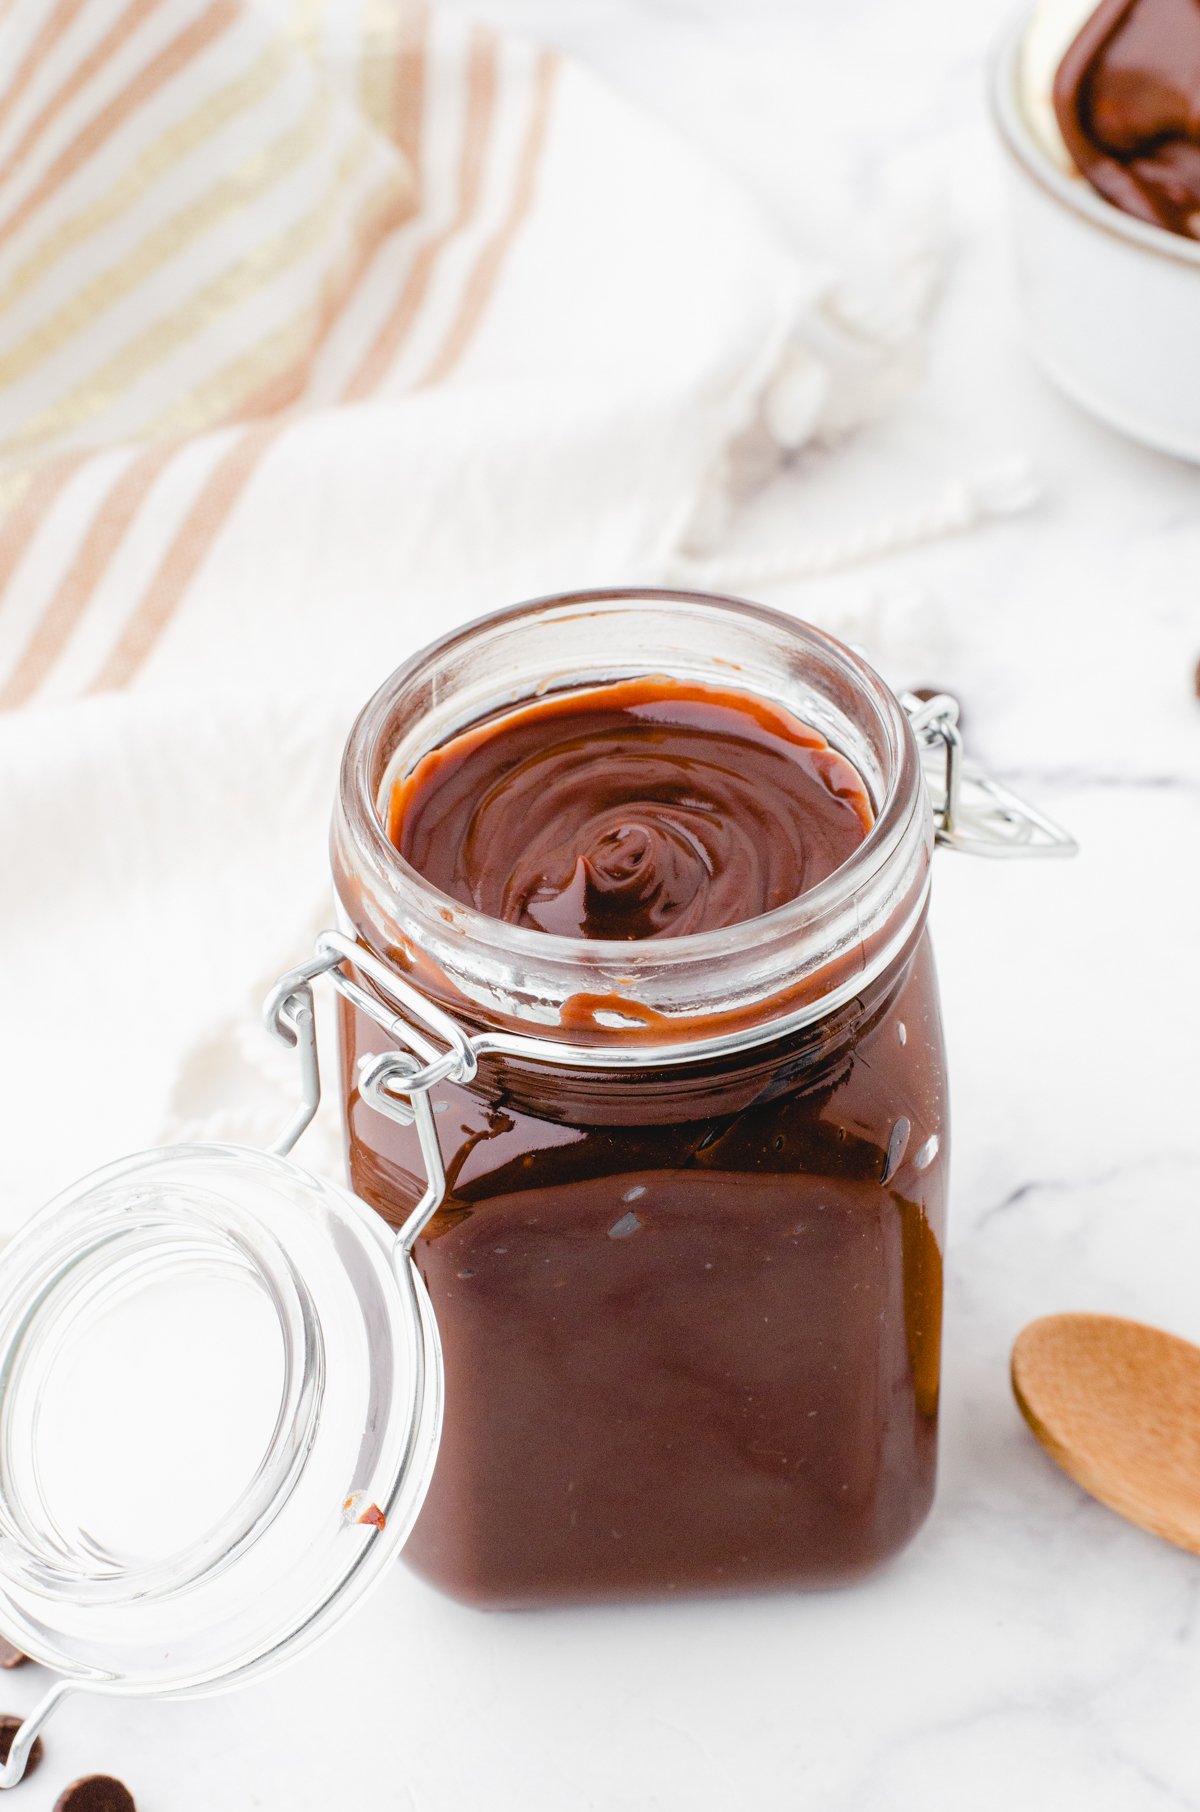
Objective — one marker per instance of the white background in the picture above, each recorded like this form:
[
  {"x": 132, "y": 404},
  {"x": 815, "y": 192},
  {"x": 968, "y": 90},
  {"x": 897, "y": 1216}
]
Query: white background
[{"x": 1030, "y": 1651}]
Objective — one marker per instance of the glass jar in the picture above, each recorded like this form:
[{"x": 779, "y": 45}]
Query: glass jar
[
  {"x": 687, "y": 1268},
  {"x": 665, "y": 1236}
]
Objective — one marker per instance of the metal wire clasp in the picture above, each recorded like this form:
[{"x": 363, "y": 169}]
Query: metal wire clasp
[
  {"x": 973, "y": 812},
  {"x": 395, "y": 1082},
  {"x": 12, "y": 1772}
]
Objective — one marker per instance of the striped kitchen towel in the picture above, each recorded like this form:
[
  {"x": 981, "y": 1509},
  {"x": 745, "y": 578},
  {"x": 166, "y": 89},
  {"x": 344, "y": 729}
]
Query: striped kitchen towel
[{"x": 338, "y": 311}]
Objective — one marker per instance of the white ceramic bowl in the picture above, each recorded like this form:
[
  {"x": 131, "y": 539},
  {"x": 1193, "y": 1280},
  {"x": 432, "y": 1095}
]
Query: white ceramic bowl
[{"x": 1113, "y": 304}]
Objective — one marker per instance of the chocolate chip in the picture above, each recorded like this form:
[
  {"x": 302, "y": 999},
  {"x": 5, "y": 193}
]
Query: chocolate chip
[
  {"x": 96, "y": 1793},
  {"x": 10, "y": 1654},
  {"x": 8, "y": 1730}
]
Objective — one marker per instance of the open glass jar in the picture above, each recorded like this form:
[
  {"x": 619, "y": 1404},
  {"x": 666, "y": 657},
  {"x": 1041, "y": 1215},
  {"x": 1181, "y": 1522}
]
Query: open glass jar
[
  {"x": 666, "y": 1227},
  {"x": 687, "y": 1269}
]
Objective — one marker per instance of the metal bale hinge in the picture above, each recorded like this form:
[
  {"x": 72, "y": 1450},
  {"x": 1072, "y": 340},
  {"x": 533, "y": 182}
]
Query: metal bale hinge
[
  {"x": 12, "y": 1771},
  {"x": 973, "y": 812},
  {"x": 395, "y": 1083}
]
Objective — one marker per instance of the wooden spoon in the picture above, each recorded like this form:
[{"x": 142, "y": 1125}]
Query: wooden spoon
[{"x": 1117, "y": 1404}]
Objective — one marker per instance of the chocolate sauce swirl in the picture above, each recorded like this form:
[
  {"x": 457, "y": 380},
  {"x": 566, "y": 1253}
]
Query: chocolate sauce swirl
[{"x": 645, "y": 808}]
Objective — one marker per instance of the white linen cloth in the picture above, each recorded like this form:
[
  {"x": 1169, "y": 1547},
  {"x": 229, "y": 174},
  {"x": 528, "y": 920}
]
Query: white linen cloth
[{"x": 323, "y": 328}]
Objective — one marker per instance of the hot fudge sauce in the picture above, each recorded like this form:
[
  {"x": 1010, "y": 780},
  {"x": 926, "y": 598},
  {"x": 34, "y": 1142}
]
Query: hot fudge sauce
[
  {"x": 645, "y": 808},
  {"x": 1127, "y": 99},
  {"x": 690, "y": 1315}
]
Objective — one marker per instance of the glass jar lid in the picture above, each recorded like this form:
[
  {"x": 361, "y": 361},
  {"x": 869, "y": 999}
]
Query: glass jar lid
[{"x": 220, "y": 1398}]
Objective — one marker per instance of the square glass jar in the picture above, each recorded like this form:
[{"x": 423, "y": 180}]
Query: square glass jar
[{"x": 687, "y": 1269}]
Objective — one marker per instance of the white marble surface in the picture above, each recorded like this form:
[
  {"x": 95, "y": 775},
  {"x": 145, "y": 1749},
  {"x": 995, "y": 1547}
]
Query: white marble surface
[{"x": 1030, "y": 1651}]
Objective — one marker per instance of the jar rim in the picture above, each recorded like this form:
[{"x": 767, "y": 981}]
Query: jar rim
[{"x": 902, "y": 799}]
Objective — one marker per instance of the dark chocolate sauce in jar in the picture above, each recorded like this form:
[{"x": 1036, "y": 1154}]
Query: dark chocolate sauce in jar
[
  {"x": 690, "y": 1316},
  {"x": 643, "y": 808}
]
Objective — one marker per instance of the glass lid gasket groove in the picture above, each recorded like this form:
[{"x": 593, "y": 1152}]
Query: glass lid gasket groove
[{"x": 76, "y": 1260}]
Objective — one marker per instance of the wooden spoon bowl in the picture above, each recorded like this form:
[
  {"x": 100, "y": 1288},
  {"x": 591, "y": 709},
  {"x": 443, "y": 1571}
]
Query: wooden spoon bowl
[{"x": 1117, "y": 1405}]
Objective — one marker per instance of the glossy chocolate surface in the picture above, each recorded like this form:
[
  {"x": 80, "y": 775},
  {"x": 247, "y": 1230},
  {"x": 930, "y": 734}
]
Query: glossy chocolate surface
[
  {"x": 691, "y": 1317},
  {"x": 644, "y": 808},
  {"x": 1127, "y": 98}
]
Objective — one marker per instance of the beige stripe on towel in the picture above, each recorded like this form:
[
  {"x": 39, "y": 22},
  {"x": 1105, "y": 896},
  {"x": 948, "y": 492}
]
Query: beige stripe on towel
[
  {"x": 481, "y": 101},
  {"x": 161, "y": 69}
]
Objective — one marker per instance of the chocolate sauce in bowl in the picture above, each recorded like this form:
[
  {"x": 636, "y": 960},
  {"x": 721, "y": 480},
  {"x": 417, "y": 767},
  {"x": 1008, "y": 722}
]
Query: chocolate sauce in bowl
[{"x": 1127, "y": 99}]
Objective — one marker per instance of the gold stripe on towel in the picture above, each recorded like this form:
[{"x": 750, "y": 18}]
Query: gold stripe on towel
[
  {"x": 378, "y": 26},
  {"x": 166, "y": 335},
  {"x": 254, "y": 177},
  {"x": 272, "y": 373},
  {"x": 150, "y": 78},
  {"x": 155, "y": 162}
]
